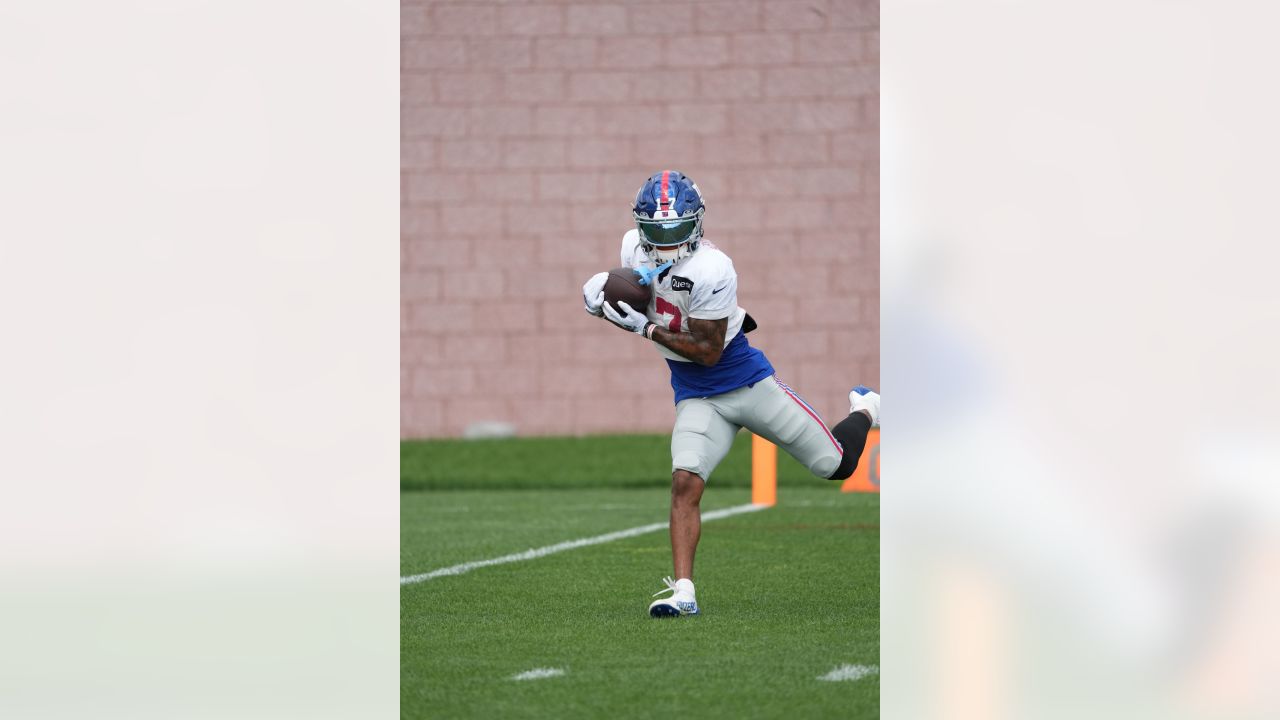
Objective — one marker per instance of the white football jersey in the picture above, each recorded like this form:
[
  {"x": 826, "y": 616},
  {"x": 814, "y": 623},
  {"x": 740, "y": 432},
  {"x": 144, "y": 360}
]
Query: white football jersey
[{"x": 703, "y": 286}]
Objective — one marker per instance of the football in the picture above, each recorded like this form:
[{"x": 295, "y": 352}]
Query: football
[{"x": 623, "y": 284}]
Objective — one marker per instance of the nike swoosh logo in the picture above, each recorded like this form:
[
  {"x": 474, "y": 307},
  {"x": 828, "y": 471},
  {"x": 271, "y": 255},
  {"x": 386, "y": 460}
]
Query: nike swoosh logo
[{"x": 713, "y": 292}]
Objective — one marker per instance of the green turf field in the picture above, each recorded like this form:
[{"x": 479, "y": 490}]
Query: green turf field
[{"x": 787, "y": 594}]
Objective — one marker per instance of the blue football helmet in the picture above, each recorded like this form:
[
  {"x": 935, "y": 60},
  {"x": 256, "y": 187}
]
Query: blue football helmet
[{"x": 668, "y": 213}]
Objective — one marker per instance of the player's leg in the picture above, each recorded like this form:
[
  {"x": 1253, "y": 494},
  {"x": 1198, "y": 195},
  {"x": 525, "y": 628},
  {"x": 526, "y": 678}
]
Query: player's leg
[
  {"x": 686, "y": 520},
  {"x": 700, "y": 440},
  {"x": 777, "y": 413},
  {"x": 864, "y": 411}
]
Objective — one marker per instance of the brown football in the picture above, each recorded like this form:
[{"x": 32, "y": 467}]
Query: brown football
[{"x": 623, "y": 284}]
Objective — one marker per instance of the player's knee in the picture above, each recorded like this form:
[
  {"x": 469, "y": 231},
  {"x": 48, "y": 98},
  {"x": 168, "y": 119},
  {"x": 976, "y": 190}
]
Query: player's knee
[
  {"x": 840, "y": 474},
  {"x": 837, "y": 468},
  {"x": 690, "y": 461},
  {"x": 829, "y": 466},
  {"x": 686, "y": 486}
]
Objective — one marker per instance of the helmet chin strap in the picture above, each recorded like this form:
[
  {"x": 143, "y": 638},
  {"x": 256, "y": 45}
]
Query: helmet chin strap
[{"x": 675, "y": 255}]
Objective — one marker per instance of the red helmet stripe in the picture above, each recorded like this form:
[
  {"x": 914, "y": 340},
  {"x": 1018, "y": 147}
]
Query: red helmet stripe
[{"x": 664, "y": 200}]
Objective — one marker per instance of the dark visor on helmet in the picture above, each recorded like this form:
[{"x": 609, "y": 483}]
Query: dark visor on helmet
[{"x": 665, "y": 233}]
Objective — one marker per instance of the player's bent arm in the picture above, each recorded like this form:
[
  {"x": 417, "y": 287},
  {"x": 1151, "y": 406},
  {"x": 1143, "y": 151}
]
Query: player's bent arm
[{"x": 702, "y": 344}]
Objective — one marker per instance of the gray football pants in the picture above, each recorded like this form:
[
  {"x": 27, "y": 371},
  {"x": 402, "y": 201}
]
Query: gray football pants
[{"x": 705, "y": 428}]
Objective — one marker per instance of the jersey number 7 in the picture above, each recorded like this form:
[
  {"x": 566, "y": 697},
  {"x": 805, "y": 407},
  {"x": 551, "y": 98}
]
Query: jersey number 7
[{"x": 666, "y": 308}]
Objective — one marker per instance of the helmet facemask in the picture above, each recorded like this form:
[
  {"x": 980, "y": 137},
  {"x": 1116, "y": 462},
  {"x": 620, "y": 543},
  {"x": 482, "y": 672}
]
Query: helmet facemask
[{"x": 668, "y": 237}]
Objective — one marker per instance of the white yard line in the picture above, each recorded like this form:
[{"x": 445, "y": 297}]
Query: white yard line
[
  {"x": 538, "y": 674},
  {"x": 850, "y": 672},
  {"x": 536, "y": 553}
]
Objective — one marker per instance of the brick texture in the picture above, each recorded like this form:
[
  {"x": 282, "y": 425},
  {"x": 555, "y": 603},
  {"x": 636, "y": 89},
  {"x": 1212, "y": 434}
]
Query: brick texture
[{"x": 526, "y": 128}]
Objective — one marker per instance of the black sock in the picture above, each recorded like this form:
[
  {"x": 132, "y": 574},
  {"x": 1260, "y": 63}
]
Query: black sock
[{"x": 852, "y": 434}]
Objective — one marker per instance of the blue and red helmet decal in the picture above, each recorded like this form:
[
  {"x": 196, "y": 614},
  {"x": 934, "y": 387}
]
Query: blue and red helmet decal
[{"x": 669, "y": 193}]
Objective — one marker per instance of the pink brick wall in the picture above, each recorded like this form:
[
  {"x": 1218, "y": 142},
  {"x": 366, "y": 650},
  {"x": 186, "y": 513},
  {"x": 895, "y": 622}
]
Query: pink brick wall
[{"x": 527, "y": 128}]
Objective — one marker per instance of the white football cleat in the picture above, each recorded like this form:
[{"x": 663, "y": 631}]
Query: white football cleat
[
  {"x": 864, "y": 398},
  {"x": 681, "y": 601}
]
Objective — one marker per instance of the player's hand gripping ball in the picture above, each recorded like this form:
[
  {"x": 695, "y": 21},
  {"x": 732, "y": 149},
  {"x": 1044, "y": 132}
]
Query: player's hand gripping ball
[
  {"x": 623, "y": 284},
  {"x": 629, "y": 319},
  {"x": 593, "y": 294}
]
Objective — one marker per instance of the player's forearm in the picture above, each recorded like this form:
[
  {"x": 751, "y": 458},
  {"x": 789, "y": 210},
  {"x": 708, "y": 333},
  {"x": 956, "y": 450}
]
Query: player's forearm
[{"x": 702, "y": 350}]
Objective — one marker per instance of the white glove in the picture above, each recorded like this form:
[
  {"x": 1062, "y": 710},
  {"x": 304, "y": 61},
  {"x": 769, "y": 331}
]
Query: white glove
[
  {"x": 593, "y": 294},
  {"x": 634, "y": 320}
]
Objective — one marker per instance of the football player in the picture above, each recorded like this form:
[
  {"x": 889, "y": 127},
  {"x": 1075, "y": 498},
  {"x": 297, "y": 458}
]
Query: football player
[{"x": 721, "y": 382}]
